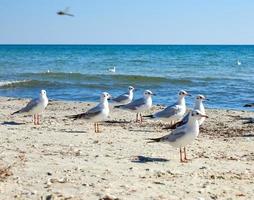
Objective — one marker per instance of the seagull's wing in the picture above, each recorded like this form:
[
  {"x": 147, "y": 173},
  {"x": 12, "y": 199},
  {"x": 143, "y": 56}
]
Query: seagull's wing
[
  {"x": 88, "y": 114},
  {"x": 168, "y": 112},
  {"x": 121, "y": 98},
  {"x": 66, "y": 9},
  {"x": 183, "y": 121},
  {"x": 135, "y": 104},
  {"x": 29, "y": 107},
  {"x": 172, "y": 137}
]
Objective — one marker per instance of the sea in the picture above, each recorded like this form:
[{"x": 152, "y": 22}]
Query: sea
[{"x": 223, "y": 73}]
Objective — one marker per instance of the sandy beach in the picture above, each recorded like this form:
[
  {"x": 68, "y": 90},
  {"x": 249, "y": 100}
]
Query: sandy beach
[{"x": 65, "y": 159}]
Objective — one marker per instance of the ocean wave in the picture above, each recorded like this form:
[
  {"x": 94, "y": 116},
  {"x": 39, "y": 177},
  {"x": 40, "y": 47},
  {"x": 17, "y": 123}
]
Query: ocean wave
[
  {"x": 12, "y": 83},
  {"x": 24, "y": 84},
  {"x": 102, "y": 78}
]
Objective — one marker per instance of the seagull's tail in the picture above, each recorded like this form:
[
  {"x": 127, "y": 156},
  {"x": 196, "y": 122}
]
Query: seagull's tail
[
  {"x": 74, "y": 117},
  {"x": 149, "y": 116},
  {"x": 174, "y": 126},
  {"x": 118, "y": 106},
  {"x": 152, "y": 140},
  {"x": 19, "y": 111}
]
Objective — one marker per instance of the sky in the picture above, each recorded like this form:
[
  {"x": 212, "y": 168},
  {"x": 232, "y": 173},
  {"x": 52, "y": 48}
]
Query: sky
[{"x": 127, "y": 22}]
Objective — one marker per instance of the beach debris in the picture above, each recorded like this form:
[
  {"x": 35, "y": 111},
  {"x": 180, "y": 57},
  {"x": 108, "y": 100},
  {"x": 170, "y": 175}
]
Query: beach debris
[
  {"x": 109, "y": 197},
  {"x": 50, "y": 181},
  {"x": 5, "y": 172}
]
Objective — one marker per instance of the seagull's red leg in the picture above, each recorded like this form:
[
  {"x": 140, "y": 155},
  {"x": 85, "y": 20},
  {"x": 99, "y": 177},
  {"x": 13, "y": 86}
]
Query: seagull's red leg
[
  {"x": 38, "y": 119},
  {"x": 95, "y": 127},
  {"x": 181, "y": 159},
  {"x": 185, "y": 155},
  {"x": 137, "y": 117},
  {"x": 98, "y": 130},
  {"x": 34, "y": 117},
  {"x": 141, "y": 118}
]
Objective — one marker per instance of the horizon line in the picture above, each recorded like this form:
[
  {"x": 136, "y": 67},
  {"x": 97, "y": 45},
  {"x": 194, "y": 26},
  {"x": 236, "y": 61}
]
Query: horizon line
[{"x": 130, "y": 44}]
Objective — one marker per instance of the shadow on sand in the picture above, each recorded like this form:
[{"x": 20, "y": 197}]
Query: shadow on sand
[
  {"x": 144, "y": 159},
  {"x": 12, "y": 123}
]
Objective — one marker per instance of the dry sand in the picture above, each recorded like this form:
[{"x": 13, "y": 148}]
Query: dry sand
[{"x": 62, "y": 159}]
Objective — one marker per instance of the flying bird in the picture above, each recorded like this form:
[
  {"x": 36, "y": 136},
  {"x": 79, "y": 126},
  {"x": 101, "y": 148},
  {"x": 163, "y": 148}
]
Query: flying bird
[{"x": 65, "y": 12}]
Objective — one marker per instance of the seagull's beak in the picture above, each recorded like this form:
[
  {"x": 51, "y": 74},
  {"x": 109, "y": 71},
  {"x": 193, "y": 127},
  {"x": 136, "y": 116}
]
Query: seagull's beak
[
  {"x": 188, "y": 95},
  {"x": 110, "y": 97},
  {"x": 154, "y": 94},
  {"x": 206, "y": 116},
  {"x": 206, "y": 99}
]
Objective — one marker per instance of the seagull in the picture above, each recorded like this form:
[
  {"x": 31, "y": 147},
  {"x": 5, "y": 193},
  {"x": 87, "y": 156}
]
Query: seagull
[
  {"x": 96, "y": 114},
  {"x": 183, "y": 135},
  {"x": 198, "y": 106},
  {"x": 139, "y": 105},
  {"x": 65, "y": 12},
  {"x": 173, "y": 112},
  {"x": 35, "y": 107},
  {"x": 113, "y": 70},
  {"x": 238, "y": 62},
  {"x": 125, "y": 98}
]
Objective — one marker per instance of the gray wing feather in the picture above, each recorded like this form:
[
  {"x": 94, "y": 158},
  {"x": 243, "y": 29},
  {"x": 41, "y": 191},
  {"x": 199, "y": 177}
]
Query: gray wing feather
[
  {"x": 167, "y": 112},
  {"x": 135, "y": 104},
  {"x": 173, "y": 136},
  {"x": 121, "y": 97},
  {"x": 91, "y": 113},
  {"x": 31, "y": 105}
]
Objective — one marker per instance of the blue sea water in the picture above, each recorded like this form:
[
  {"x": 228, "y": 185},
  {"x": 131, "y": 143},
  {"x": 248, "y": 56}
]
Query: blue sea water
[{"x": 80, "y": 72}]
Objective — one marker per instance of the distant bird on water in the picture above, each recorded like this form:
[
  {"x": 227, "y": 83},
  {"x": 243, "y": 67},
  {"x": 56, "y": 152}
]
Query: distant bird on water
[
  {"x": 65, "y": 12},
  {"x": 239, "y": 62},
  {"x": 112, "y": 70},
  {"x": 35, "y": 107}
]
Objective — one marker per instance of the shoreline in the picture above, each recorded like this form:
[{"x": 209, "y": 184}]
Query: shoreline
[{"x": 66, "y": 159}]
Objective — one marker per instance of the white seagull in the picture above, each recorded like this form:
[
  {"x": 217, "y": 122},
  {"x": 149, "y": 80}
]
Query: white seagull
[
  {"x": 238, "y": 62},
  {"x": 183, "y": 135},
  {"x": 113, "y": 70},
  {"x": 139, "y": 105},
  {"x": 96, "y": 114},
  {"x": 173, "y": 112},
  {"x": 198, "y": 106},
  {"x": 35, "y": 107},
  {"x": 124, "y": 98}
]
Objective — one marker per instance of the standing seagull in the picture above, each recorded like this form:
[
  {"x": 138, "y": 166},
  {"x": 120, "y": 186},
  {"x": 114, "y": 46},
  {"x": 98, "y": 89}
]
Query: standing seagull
[
  {"x": 139, "y": 105},
  {"x": 96, "y": 114},
  {"x": 183, "y": 135},
  {"x": 65, "y": 12},
  {"x": 198, "y": 106},
  {"x": 173, "y": 112},
  {"x": 125, "y": 98},
  {"x": 35, "y": 107}
]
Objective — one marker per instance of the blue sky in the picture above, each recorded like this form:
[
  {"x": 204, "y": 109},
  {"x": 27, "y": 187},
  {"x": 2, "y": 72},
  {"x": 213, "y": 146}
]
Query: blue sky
[{"x": 127, "y": 22}]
